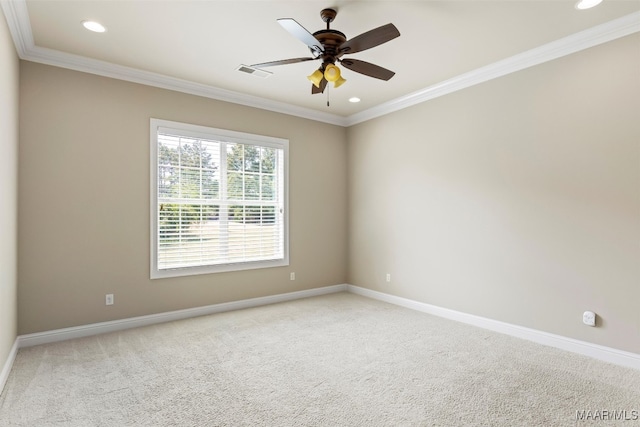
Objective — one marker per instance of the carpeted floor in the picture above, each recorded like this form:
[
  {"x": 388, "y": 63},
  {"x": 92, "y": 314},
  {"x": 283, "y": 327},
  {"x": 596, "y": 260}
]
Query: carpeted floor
[{"x": 335, "y": 360}]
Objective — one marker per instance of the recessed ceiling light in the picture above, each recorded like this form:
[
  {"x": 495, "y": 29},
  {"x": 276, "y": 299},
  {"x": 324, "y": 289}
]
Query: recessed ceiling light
[
  {"x": 587, "y": 4},
  {"x": 94, "y": 26},
  {"x": 354, "y": 99}
]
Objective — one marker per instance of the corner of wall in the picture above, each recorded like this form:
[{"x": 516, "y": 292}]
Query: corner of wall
[{"x": 9, "y": 81}]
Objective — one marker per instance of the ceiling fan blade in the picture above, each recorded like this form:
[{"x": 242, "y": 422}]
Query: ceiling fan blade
[
  {"x": 282, "y": 62},
  {"x": 367, "y": 68},
  {"x": 301, "y": 33},
  {"x": 323, "y": 84},
  {"x": 370, "y": 39}
]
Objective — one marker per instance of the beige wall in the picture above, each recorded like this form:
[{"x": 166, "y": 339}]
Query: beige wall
[
  {"x": 517, "y": 199},
  {"x": 8, "y": 190},
  {"x": 84, "y": 200}
]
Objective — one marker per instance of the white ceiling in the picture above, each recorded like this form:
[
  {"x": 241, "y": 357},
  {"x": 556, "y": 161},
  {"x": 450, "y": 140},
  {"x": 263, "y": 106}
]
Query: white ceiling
[{"x": 197, "y": 45}]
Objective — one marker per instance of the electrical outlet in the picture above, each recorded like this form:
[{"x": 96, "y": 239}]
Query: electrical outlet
[
  {"x": 292, "y": 276},
  {"x": 589, "y": 318},
  {"x": 388, "y": 277},
  {"x": 108, "y": 299}
]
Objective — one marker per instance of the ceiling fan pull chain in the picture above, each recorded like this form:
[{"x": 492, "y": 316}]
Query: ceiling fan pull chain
[{"x": 328, "y": 90}]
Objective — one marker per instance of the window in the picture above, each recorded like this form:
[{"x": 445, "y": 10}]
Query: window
[{"x": 218, "y": 200}]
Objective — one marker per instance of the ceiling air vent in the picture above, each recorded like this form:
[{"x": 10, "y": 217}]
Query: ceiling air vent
[{"x": 253, "y": 71}]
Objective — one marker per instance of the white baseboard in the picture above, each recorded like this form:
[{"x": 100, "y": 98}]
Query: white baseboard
[
  {"x": 8, "y": 364},
  {"x": 134, "y": 322},
  {"x": 607, "y": 354}
]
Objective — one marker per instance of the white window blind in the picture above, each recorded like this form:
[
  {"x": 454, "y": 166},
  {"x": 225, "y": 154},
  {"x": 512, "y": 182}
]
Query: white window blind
[{"x": 219, "y": 200}]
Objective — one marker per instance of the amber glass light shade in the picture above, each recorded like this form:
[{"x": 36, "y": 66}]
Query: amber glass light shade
[
  {"x": 331, "y": 73},
  {"x": 316, "y": 78}
]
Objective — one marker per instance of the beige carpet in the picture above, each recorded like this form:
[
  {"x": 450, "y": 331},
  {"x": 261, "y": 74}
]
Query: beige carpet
[{"x": 335, "y": 360}]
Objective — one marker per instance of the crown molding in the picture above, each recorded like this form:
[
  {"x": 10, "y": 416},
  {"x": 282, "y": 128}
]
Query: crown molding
[
  {"x": 594, "y": 36},
  {"x": 107, "y": 69},
  {"x": 17, "y": 17}
]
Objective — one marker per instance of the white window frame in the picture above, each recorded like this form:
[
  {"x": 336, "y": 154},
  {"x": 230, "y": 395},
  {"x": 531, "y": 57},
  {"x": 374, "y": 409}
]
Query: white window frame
[{"x": 208, "y": 133}]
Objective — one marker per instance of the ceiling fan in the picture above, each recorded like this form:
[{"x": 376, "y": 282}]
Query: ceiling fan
[{"x": 330, "y": 45}]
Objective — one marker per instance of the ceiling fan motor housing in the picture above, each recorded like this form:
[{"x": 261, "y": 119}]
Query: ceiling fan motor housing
[{"x": 331, "y": 40}]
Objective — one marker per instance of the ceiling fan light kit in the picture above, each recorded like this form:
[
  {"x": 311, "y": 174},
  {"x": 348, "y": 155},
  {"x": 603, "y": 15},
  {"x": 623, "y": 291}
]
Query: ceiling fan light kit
[
  {"x": 331, "y": 74},
  {"x": 330, "y": 45}
]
